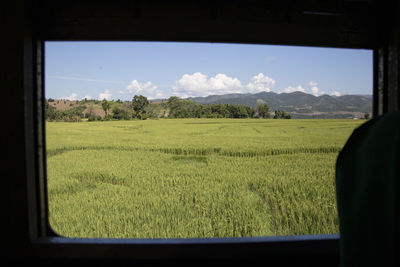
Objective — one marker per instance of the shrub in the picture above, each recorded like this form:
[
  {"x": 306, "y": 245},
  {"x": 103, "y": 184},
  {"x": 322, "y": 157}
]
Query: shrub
[{"x": 107, "y": 117}]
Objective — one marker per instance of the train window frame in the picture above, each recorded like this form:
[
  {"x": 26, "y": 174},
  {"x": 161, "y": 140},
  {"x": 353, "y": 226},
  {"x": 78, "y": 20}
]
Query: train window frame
[
  {"x": 175, "y": 248},
  {"x": 43, "y": 243}
]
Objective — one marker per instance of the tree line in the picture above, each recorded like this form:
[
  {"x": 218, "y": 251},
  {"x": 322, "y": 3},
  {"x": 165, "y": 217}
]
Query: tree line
[{"x": 141, "y": 108}]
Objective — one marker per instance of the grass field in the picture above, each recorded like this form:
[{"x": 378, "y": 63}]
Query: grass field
[{"x": 194, "y": 177}]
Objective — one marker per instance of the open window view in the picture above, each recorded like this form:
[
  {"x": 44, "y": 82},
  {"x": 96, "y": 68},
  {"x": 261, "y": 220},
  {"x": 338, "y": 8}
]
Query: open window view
[{"x": 194, "y": 140}]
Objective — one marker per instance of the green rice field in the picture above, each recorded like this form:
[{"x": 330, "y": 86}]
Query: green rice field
[{"x": 194, "y": 178}]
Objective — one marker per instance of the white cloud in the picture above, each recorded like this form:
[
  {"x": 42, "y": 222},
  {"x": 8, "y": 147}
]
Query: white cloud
[
  {"x": 197, "y": 84},
  {"x": 137, "y": 87},
  {"x": 87, "y": 97},
  {"x": 105, "y": 95},
  {"x": 336, "y": 93},
  {"x": 191, "y": 83},
  {"x": 291, "y": 89},
  {"x": 260, "y": 83},
  {"x": 314, "y": 89},
  {"x": 72, "y": 97},
  {"x": 147, "y": 89},
  {"x": 312, "y": 84},
  {"x": 224, "y": 83},
  {"x": 159, "y": 94}
]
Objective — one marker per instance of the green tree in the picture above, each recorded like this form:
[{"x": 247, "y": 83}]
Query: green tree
[
  {"x": 173, "y": 104},
  {"x": 278, "y": 114},
  {"x": 105, "y": 105},
  {"x": 263, "y": 111},
  {"x": 186, "y": 108},
  {"x": 242, "y": 112},
  {"x": 281, "y": 114},
  {"x": 120, "y": 113},
  {"x": 139, "y": 103},
  {"x": 90, "y": 113},
  {"x": 220, "y": 110},
  {"x": 286, "y": 115},
  {"x": 366, "y": 116},
  {"x": 50, "y": 112}
]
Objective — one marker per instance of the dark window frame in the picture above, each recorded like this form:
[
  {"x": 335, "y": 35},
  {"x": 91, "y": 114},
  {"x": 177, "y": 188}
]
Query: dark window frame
[
  {"x": 38, "y": 241},
  {"x": 324, "y": 245}
]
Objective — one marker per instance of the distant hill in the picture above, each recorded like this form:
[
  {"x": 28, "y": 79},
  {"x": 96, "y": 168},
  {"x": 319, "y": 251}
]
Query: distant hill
[{"x": 299, "y": 104}]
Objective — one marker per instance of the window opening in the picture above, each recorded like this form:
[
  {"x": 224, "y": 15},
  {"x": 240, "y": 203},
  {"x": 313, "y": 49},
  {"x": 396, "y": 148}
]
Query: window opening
[{"x": 192, "y": 140}]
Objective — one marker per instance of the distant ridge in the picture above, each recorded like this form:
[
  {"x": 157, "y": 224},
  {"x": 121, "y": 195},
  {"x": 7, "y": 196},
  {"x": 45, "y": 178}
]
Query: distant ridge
[{"x": 299, "y": 104}]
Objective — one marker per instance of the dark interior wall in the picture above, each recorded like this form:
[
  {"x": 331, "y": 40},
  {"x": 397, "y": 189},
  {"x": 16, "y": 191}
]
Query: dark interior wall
[
  {"x": 386, "y": 60},
  {"x": 351, "y": 24},
  {"x": 393, "y": 62},
  {"x": 16, "y": 46},
  {"x": 320, "y": 23}
]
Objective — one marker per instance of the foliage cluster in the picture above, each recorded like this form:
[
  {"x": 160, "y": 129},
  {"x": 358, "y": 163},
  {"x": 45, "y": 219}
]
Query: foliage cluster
[
  {"x": 140, "y": 108},
  {"x": 185, "y": 108},
  {"x": 73, "y": 114},
  {"x": 281, "y": 114}
]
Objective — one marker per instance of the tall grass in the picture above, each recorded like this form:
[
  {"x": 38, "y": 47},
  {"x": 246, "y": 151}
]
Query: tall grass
[{"x": 194, "y": 177}]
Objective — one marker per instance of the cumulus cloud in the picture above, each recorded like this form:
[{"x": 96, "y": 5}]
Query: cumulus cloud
[
  {"x": 224, "y": 83},
  {"x": 291, "y": 89},
  {"x": 312, "y": 84},
  {"x": 72, "y": 97},
  {"x": 105, "y": 95},
  {"x": 138, "y": 87},
  {"x": 198, "y": 84},
  {"x": 147, "y": 89},
  {"x": 314, "y": 89},
  {"x": 260, "y": 83},
  {"x": 191, "y": 83},
  {"x": 87, "y": 97},
  {"x": 336, "y": 93}
]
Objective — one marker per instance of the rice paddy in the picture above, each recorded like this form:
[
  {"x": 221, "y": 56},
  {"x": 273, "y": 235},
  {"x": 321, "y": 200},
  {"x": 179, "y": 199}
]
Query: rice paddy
[{"x": 194, "y": 178}]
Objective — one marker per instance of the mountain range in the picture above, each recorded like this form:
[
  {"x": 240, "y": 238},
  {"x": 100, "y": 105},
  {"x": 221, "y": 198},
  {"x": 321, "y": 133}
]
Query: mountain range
[{"x": 299, "y": 104}]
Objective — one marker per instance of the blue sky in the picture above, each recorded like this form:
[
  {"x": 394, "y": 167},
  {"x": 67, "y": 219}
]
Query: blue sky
[{"x": 119, "y": 70}]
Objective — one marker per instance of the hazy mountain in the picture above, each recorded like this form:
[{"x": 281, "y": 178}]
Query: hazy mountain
[{"x": 300, "y": 105}]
